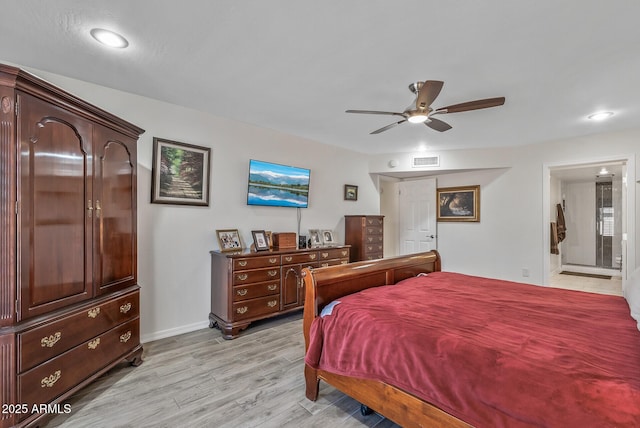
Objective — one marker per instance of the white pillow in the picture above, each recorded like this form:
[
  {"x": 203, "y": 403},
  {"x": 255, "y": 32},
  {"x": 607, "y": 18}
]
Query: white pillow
[{"x": 632, "y": 294}]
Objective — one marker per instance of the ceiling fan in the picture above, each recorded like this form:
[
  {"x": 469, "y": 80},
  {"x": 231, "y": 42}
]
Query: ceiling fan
[{"x": 421, "y": 112}]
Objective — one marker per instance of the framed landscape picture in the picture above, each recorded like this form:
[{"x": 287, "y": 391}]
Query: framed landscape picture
[
  {"x": 180, "y": 173},
  {"x": 459, "y": 203}
]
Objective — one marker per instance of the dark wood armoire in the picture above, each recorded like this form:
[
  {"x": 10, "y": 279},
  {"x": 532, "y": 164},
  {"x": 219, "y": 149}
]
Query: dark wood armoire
[{"x": 69, "y": 298}]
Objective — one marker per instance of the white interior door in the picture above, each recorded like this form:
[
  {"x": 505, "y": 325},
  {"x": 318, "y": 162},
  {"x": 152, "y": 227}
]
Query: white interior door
[{"x": 417, "y": 215}]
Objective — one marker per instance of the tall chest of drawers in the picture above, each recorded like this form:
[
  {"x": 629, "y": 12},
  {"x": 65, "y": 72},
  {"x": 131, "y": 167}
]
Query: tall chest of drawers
[
  {"x": 246, "y": 287},
  {"x": 364, "y": 233}
]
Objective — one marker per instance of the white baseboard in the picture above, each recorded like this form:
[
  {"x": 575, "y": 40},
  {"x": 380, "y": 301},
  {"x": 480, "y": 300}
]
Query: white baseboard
[{"x": 163, "y": 334}]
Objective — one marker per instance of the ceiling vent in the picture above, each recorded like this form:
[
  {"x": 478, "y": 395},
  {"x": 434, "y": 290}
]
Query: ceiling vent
[{"x": 422, "y": 161}]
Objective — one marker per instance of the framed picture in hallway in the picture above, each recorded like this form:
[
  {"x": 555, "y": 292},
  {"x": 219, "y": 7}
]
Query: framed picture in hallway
[{"x": 180, "y": 173}]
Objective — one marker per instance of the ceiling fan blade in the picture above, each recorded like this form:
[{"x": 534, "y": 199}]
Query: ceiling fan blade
[
  {"x": 377, "y": 131},
  {"x": 427, "y": 93},
  {"x": 471, "y": 105},
  {"x": 437, "y": 124},
  {"x": 392, "y": 113}
]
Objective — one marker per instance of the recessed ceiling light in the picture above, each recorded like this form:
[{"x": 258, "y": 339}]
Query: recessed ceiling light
[
  {"x": 109, "y": 38},
  {"x": 602, "y": 115}
]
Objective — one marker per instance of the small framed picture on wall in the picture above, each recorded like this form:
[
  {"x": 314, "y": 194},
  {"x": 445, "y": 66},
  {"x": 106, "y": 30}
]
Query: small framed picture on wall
[{"x": 350, "y": 192}]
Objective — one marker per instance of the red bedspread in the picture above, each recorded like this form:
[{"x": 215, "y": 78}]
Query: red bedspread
[{"x": 492, "y": 353}]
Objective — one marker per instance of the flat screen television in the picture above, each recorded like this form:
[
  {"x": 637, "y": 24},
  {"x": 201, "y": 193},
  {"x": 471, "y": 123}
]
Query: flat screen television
[{"x": 275, "y": 185}]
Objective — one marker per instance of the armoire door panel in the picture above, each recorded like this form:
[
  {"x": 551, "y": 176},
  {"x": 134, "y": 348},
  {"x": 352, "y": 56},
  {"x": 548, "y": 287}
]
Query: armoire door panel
[
  {"x": 54, "y": 193},
  {"x": 115, "y": 195}
]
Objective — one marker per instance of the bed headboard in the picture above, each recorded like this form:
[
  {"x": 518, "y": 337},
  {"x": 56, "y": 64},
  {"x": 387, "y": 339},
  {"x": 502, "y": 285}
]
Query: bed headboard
[{"x": 323, "y": 285}]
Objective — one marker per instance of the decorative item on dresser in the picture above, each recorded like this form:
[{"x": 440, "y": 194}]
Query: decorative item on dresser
[
  {"x": 69, "y": 299},
  {"x": 246, "y": 287},
  {"x": 364, "y": 233}
]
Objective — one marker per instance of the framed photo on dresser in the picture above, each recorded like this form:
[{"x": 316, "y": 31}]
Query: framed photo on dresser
[
  {"x": 229, "y": 240},
  {"x": 260, "y": 241},
  {"x": 327, "y": 238},
  {"x": 314, "y": 237}
]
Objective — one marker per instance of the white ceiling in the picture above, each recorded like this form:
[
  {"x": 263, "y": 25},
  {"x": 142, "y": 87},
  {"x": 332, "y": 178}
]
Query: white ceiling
[{"x": 297, "y": 65}]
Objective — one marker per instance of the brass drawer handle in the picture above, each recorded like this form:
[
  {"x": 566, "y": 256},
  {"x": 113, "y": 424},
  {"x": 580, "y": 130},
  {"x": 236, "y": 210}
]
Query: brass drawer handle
[
  {"x": 272, "y": 303},
  {"x": 272, "y": 273},
  {"x": 370, "y": 238},
  {"x": 324, "y": 265},
  {"x": 313, "y": 256},
  {"x": 94, "y": 343},
  {"x": 344, "y": 262},
  {"x": 242, "y": 263},
  {"x": 48, "y": 342},
  {"x": 242, "y": 310},
  {"x": 272, "y": 287},
  {"x": 273, "y": 260},
  {"x": 124, "y": 338},
  {"x": 242, "y": 276},
  {"x": 370, "y": 220},
  {"x": 288, "y": 258},
  {"x": 242, "y": 292},
  {"x": 344, "y": 253},
  {"x": 93, "y": 312},
  {"x": 324, "y": 255},
  {"x": 125, "y": 308},
  {"x": 48, "y": 381}
]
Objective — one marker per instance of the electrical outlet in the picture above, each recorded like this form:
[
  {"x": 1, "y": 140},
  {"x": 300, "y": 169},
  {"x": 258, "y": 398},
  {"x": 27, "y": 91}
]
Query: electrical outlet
[{"x": 525, "y": 272}]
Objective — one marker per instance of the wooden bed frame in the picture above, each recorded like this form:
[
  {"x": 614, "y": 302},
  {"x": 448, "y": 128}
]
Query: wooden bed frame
[{"x": 327, "y": 284}]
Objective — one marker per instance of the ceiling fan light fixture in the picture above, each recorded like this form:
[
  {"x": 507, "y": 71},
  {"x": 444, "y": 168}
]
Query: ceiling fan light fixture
[
  {"x": 109, "y": 38},
  {"x": 601, "y": 115},
  {"x": 418, "y": 118}
]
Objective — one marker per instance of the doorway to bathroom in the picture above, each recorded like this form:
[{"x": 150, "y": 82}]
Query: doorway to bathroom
[{"x": 591, "y": 200}]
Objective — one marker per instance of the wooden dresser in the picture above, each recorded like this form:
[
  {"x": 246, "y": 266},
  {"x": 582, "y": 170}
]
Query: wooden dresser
[
  {"x": 250, "y": 286},
  {"x": 364, "y": 233},
  {"x": 69, "y": 299}
]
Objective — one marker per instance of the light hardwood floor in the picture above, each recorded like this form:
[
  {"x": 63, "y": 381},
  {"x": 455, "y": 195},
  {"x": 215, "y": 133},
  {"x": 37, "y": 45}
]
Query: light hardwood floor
[{"x": 201, "y": 380}]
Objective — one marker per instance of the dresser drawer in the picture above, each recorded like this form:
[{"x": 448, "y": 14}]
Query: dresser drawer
[
  {"x": 251, "y": 291},
  {"x": 334, "y": 262},
  {"x": 43, "y": 343},
  {"x": 298, "y": 258},
  {"x": 373, "y": 248},
  {"x": 255, "y": 307},
  {"x": 256, "y": 262},
  {"x": 373, "y": 256},
  {"x": 257, "y": 275},
  {"x": 334, "y": 253},
  {"x": 373, "y": 239},
  {"x": 48, "y": 380},
  {"x": 373, "y": 230},
  {"x": 374, "y": 221}
]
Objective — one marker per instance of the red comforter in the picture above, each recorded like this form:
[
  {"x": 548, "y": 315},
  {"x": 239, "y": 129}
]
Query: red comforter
[{"x": 492, "y": 353}]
